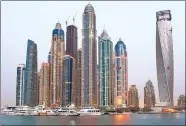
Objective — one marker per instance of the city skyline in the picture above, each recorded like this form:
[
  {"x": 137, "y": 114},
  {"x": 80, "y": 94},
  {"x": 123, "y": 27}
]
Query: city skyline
[{"x": 125, "y": 40}]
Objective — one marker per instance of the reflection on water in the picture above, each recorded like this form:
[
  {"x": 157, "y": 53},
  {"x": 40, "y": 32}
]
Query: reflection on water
[
  {"x": 72, "y": 122},
  {"x": 177, "y": 115},
  {"x": 121, "y": 119}
]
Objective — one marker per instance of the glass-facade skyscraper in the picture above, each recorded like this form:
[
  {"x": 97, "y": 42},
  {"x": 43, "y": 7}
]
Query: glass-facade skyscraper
[
  {"x": 20, "y": 85},
  {"x": 31, "y": 85},
  {"x": 105, "y": 47},
  {"x": 89, "y": 57},
  {"x": 57, "y": 52},
  {"x": 68, "y": 81},
  {"x": 164, "y": 56},
  {"x": 120, "y": 74}
]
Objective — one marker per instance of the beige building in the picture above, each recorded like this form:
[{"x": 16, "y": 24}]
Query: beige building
[
  {"x": 44, "y": 95},
  {"x": 133, "y": 100}
]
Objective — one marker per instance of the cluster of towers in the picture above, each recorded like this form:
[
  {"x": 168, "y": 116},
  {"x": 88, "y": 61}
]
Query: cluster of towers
[{"x": 72, "y": 76}]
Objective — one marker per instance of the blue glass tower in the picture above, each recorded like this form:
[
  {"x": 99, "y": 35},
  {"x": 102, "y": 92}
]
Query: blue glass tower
[{"x": 31, "y": 85}]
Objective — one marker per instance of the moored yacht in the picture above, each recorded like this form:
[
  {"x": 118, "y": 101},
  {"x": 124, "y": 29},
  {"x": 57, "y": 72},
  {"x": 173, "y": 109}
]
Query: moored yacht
[
  {"x": 89, "y": 111},
  {"x": 67, "y": 112},
  {"x": 8, "y": 112}
]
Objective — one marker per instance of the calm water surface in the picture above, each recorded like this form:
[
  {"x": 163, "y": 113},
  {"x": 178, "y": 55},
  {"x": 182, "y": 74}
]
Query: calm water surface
[{"x": 132, "y": 119}]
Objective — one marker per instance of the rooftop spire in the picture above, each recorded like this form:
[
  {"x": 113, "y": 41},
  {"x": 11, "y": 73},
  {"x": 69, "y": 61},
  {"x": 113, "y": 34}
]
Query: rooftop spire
[{"x": 120, "y": 39}]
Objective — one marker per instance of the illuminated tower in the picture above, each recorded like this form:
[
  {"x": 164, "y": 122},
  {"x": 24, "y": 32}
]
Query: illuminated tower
[
  {"x": 120, "y": 74},
  {"x": 44, "y": 85},
  {"x": 68, "y": 81},
  {"x": 105, "y": 68},
  {"x": 89, "y": 57},
  {"x": 20, "y": 85},
  {"x": 57, "y": 52},
  {"x": 164, "y": 56}
]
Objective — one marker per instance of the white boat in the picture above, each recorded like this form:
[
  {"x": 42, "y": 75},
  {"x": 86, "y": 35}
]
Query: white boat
[
  {"x": 67, "y": 112},
  {"x": 89, "y": 111},
  {"x": 33, "y": 112},
  {"x": 22, "y": 112},
  {"x": 8, "y": 112}
]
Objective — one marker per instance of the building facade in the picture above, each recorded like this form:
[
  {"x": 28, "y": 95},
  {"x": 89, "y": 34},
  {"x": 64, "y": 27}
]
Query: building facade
[
  {"x": 149, "y": 95},
  {"x": 78, "y": 78},
  {"x": 57, "y": 52},
  {"x": 120, "y": 74},
  {"x": 105, "y": 47},
  {"x": 20, "y": 81},
  {"x": 181, "y": 101},
  {"x": 44, "y": 87},
  {"x": 31, "y": 86},
  {"x": 71, "y": 41},
  {"x": 89, "y": 57},
  {"x": 68, "y": 81},
  {"x": 164, "y": 56},
  {"x": 133, "y": 100}
]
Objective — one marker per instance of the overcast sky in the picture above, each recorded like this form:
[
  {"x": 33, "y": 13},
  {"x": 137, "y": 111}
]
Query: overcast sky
[{"x": 134, "y": 22}]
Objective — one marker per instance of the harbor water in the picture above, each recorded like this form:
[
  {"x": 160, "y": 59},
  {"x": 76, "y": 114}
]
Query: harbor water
[{"x": 129, "y": 119}]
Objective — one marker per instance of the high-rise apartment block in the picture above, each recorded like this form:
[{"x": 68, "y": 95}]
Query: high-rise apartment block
[
  {"x": 31, "y": 86},
  {"x": 20, "y": 85},
  {"x": 89, "y": 57},
  {"x": 105, "y": 47},
  {"x": 164, "y": 56},
  {"x": 133, "y": 100},
  {"x": 120, "y": 73},
  {"x": 149, "y": 95}
]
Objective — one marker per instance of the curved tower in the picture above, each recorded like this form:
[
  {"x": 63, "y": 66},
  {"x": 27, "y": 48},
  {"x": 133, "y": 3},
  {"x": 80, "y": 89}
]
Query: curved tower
[
  {"x": 120, "y": 74},
  {"x": 105, "y": 67},
  {"x": 57, "y": 52},
  {"x": 89, "y": 57},
  {"x": 164, "y": 56}
]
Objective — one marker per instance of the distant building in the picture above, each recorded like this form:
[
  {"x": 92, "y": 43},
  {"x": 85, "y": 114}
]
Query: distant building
[
  {"x": 181, "y": 101},
  {"x": 49, "y": 57},
  {"x": 149, "y": 95},
  {"x": 120, "y": 73},
  {"x": 57, "y": 52},
  {"x": 31, "y": 87},
  {"x": 44, "y": 94},
  {"x": 78, "y": 78},
  {"x": 20, "y": 85},
  {"x": 89, "y": 57},
  {"x": 164, "y": 56},
  {"x": 98, "y": 86},
  {"x": 71, "y": 41},
  {"x": 105, "y": 48},
  {"x": 68, "y": 81},
  {"x": 133, "y": 100}
]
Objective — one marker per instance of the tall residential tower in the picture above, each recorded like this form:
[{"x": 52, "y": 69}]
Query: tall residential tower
[
  {"x": 120, "y": 74},
  {"x": 105, "y": 47},
  {"x": 164, "y": 56},
  {"x": 31, "y": 86},
  {"x": 20, "y": 85},
  {"x": 89, "y": 57},
  {"x": 57, "y": 52}
]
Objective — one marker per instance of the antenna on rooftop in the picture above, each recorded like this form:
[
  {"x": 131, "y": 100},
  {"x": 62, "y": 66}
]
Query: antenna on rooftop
[
  {"x": 67, "y": 21},
  {"x": 74, "y": 18}
]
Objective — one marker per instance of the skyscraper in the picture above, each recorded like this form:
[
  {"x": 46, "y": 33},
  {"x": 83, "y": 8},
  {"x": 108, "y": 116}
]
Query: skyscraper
[
  {"x": 71, "y": 41},
  {"x": 181, "y": 101},
  {"x": 31, "y": 87},
  {"x": 89, "y": 57},
  {"x": 164, "y": 56},
  {"x": 105, "y": 67},
  {"x": 120, "y": 74},
  {"x": 68, "y": 81},
  {"x": 49, "y": 57},
  {"x": 133, "y": 100},
  {"x": 44, "y": 94},
  {"x": 78, "y": 78},
  {"x": 20, "y": 85},
  {"x": 57, "y": 52},
  {"x": 149, "y": 95}
]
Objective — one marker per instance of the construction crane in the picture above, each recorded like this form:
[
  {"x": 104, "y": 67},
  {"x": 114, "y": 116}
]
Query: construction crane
[
  {"x": 67, "y": 21},
  {"x": 74, "y": 18}
]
